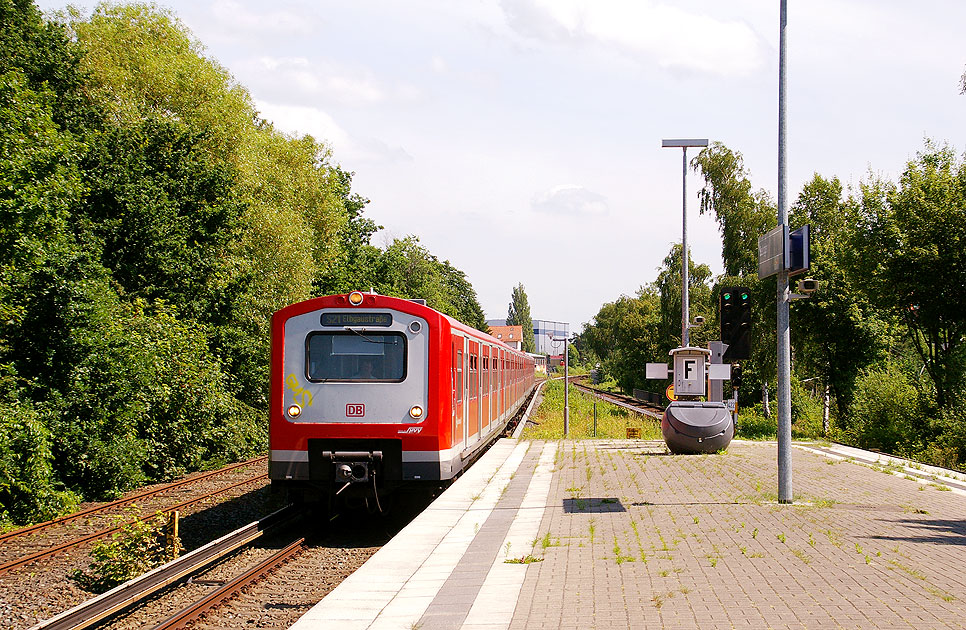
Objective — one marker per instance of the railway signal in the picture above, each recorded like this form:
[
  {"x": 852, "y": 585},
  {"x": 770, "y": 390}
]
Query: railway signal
[{"x": 735, "y": 316}]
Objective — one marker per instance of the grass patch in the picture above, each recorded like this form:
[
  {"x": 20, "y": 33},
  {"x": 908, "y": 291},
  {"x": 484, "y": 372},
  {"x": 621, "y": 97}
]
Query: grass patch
[{"x": 612, "y": 421}]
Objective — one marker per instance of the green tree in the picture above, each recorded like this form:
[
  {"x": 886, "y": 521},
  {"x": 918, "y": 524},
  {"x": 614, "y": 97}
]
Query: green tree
[
  {"x": 838, "y": 331},
  {"x": 407, "y": 269},
  {"x": 668, "y": 285},
  {"x": 742, "y": 215},
  {"x": 914, "y": 237},
  {"x": 518, "y": 314},
  {"x": 626, "y": 335}
]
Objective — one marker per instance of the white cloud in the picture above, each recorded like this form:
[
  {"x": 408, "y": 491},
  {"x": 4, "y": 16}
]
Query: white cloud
[
  {"x": 238, "y": 17},
  {"x": 644, "y": 30},
  {"x": 299, "y": 120},
  {"x": 569, "y": 199},
  {"x": 330, "y": 82}
]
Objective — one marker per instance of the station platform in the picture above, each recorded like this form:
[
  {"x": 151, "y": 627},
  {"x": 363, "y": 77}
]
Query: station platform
[{"x": 619, "y": 534}]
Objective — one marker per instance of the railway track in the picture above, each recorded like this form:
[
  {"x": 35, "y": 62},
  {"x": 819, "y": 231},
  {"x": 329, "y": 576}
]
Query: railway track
[
  {"x": 140, "y": 589},
  {"x": 23, "y": 559},
  {"x": 233, "y": 579},
  {"x": 627, "y": 402},
  {"x": 106, "y": 507}
]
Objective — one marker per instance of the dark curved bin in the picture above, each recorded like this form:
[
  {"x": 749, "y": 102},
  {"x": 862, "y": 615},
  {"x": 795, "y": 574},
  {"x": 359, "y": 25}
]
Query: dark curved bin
[{"x": 697, "y": 427}]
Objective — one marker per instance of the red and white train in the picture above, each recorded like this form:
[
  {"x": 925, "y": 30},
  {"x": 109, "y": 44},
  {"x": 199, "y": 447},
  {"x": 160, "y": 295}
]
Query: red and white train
[{"x": 369, "y": 392}]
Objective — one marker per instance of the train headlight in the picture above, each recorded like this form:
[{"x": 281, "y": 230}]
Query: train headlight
[
  {"x": 355, "y": 298},
  {"x": 294, "y": 411},
  {"x": 415, "y": 412}
]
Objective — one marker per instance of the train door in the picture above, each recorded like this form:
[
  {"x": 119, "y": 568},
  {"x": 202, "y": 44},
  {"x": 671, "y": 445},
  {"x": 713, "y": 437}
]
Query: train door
[
  {"x": 485, "y": 385},
  {"x": 490, "y": 387},
  {"x": 473, "y": 354},
  {"x": 465, "y": 388},
  {"x": 503, "y": 381},
  {"x": 458, "y": 383}
]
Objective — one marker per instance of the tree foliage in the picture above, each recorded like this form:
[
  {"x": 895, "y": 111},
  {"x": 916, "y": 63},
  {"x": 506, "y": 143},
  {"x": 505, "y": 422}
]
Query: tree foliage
[
  {"x": 742, "y": 215},
  {"x": 518, "y": 314},
  {"x": 150, "y": 224}
]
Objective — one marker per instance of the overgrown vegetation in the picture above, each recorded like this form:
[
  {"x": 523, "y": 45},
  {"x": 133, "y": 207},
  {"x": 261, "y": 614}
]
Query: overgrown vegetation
[
  {"x": 150, "y": 224},
  {"x": 138, "y": 547},
  {"x": 883, "y": 338},
  {"x": 612, "y": 421}
]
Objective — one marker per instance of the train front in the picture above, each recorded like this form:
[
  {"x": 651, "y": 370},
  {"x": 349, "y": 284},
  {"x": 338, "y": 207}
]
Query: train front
[{"x": 356, "y": 408}]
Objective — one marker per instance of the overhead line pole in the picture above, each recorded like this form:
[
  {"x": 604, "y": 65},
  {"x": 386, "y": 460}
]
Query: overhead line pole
[{"x": 784, "y": 338}]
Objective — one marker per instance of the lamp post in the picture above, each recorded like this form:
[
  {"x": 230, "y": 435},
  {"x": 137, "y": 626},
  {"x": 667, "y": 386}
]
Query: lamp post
[
  {"x": 554, "y": 341},
  {"x": 684, "y": 144}
]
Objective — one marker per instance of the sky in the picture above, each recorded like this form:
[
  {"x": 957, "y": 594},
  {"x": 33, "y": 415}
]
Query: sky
[{"x": 521, "y": 139}]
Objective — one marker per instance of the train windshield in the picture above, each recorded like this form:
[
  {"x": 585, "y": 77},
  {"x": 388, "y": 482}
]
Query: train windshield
[{"x": 356, "y": 356}]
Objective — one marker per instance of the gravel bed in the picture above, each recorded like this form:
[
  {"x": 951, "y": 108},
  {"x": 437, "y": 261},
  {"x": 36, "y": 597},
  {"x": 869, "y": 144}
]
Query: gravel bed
[{"x": 43, "y": 589}]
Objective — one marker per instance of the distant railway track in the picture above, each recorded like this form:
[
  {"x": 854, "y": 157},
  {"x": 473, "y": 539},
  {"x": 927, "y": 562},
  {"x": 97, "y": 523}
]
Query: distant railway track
[
  {"x": 23, "y": 559},
  {"x": 627, "y": 402}
]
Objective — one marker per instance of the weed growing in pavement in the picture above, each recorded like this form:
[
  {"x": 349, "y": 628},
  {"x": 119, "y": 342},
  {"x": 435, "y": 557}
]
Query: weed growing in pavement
[
  {"x": 938, "y": 592},
  {"x": 916, "y": 574},
  {"x": 527, "y": 559},
  {"x": 507, "y": 548},
  {"x": 754, "y": 533},
  {"x": 811, "y": 540},
  {"x": 858, "y": 548},
  {"x": 618, "y": 555},
  {"x": 592, "y": 530},
  {"x": 547, "y": 541},
  {"x": 801, "y": 555}
]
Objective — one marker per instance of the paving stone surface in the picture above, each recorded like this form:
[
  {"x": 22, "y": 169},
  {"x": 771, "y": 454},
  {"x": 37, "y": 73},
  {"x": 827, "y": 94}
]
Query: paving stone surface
[{"x": 635, "y": 538}]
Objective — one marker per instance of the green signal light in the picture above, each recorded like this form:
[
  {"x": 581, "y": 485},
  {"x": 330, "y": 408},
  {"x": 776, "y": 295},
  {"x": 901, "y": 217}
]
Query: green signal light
[
  {"x": 744, "y": 296},
  {"x": 727, "y": 296}
]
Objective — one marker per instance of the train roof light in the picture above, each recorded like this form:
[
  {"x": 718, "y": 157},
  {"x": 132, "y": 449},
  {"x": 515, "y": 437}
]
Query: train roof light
[{"x": 355, "y": 298}]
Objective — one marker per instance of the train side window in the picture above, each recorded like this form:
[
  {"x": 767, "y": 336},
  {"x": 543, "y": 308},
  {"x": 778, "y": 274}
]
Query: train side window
[{"x": 459, "y": 376}]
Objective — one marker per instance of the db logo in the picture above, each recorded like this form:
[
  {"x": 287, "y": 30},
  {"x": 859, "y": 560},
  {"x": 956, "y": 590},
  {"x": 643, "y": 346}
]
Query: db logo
[{"x": 355, "y": 410}]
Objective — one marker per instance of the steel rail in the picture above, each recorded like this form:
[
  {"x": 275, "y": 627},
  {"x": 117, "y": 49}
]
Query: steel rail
[
  {"x": 120, "y": 502},
  {"x": 76, "y": 542},
  {"x": 603, "y": 396},
  {"x": 117, "y": 599},
  {"x": 232, "y": 588}
]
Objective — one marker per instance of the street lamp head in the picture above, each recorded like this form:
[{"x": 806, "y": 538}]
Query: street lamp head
[{"x": 684, "y": 142}]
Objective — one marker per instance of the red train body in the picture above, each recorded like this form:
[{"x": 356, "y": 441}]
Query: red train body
[{"x": 369, "y": 392}]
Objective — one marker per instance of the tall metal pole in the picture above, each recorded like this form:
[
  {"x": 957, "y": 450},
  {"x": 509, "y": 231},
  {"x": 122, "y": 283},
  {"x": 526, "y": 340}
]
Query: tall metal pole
[
  {"x": 784, "y": 339},
  {"x": 567, "y": 386},
  {"x": 685, "y": 318}
]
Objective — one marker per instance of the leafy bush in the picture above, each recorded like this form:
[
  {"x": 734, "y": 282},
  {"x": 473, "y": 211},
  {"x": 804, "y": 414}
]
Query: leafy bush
[
  {"x": 753, "y": 425},
  {"x": 139, "y": 547},
  {"x": 806, "y": 412},
  {"x": 886, "y": 413},
  {"x": 147, "y": 401},
  {"x": 28, "y": 488},
  {"x": 948, "y": 448}
]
